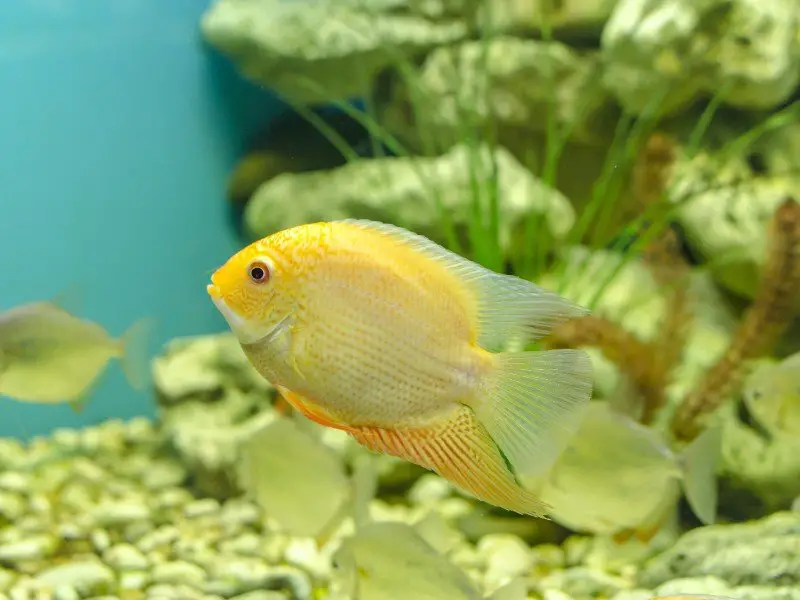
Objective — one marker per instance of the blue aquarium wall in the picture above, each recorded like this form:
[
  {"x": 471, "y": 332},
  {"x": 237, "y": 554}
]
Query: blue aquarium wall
[{"x": 118, "y": 128}]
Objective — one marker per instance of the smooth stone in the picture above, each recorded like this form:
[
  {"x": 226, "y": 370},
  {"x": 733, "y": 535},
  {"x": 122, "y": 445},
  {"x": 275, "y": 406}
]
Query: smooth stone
[
  {"x": 173, "y": 592},
  {"x": 137, "y": 531},
  {"x": 164, "y": 475},
  {"x": 12, "y": 505},
  {"x": 173, "y": 497},
  {"x": 65, "y": 592},
  {"x": 429, "y": 489},
  {"x": 110, "y": 514},
  {"x": 260, "y": 595},
  {"x": 161, "y": 536},
  {"x": 89, "y": 471},
  {"x": 303, "y": 553},
  {"x": 134, "y": 580},
  {"x": 247, "y": 573},
  {"x": 100, "y": 540},
  {"x": 31, "y": 548},
  {"x": 506, "y": 556},
  {"x": 125, "y": 557},
  {"x": 87, "y": 576},
  {"x": 201, "y": 508},
  {"x": 40, "y": 504},
  {"x": 246, "y": 544},
  {"x": 179, "y": 573},
  {"x": 11, "y": 481},
  {"x": 240, "y": 512}
]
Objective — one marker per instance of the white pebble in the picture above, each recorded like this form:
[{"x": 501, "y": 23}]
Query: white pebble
[
  {"x": 88, "y": 577},
  {"x": 260, "y": 595},
  {"x": 172, "y": 592},
  {"x": 201, "y": 508},
  {"x": 303, "y": 553},
  {"x": 249, "y": 573},
  {"x": 179, "y": 573},
  {"x": 110, "y": 514},
  {"x": 89, "y": 471},
  {"x": 134, "y": 580},
  {"x": 429, "y": 489},
  {"x": 125, "y": 557},
  {"x": 12, "y": 505},
  {"x": 164, "y": 474},
  {"x": 34, "y": 547},
  {"x": 66, "y": 439},
  {"x": 65, "y": 592},
  {"x": 11, "y": 481},
  {"x": 162, "y": 536},
  {"x": 100, "y": 540},
  {"x": 173, "y": 497},
  {"x": 40, "y": 504},
  {"x": 246, "y": 544},
  {"x": 506, "y": 556},
  {"x": 240, "y": 512},
  {"x": 140, "y": 430}
]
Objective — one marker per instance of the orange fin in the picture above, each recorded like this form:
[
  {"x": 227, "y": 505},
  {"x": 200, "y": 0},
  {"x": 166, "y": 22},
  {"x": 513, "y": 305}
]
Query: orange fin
[
  {"x": 310, "y": 410},
  {"x": 459, "y": 449}
]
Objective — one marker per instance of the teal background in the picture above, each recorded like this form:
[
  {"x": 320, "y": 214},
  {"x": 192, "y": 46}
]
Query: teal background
[{"x": 118, "y": 128}]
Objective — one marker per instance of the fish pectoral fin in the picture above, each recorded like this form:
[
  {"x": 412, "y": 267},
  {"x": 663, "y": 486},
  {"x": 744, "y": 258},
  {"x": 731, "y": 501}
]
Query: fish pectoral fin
[
  {"x": 310, "y": 409},
  {"x": 459, "y": 449}
]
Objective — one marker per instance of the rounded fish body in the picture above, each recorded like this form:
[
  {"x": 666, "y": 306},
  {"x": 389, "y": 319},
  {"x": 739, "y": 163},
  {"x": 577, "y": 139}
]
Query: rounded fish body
[
  {"x": 381, "y": 336},
  {"x": 377, "y": 331}
]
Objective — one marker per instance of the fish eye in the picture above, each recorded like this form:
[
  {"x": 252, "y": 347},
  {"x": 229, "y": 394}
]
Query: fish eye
[{"x": 258, "y": 271}]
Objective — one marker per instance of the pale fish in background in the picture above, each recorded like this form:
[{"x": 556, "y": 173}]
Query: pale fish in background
[
  {"x": 48, "y": 355},
  {"x": 300, "y": 482},
  {"x": 390, "y": 561},
  {"x": 772, "y": 396},
  {"x": 620, "y": 478},
  {"x": 374, "y": 330}
]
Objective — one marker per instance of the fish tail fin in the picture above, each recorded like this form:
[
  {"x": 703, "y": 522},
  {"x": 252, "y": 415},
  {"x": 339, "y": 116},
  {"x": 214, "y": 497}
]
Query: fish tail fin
[
  {"x": 135, "y": 357},
  {"x": 699, "y": 465},
  {"x": 531, "y": 404},
  {"x": 459, "y": 449}
]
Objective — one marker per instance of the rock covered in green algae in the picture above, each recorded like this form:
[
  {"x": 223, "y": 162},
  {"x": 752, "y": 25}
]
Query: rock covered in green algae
[
  {"x": 336, "y": 45},
  {"x": 725, "y": 211},
  {"x": 504, "y": 81},
  {"x": 579, "y": 18},
  {"x": 759, "y": 473},
  {"x": 714, "y": 586},
  {"x": 763, "y": 553},
  {"x": 688, "y": 48},
  {"x": 405, "y": 190}
]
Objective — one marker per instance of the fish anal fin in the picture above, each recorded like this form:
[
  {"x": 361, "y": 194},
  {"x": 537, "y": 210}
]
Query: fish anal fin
[
  {"x": 310, "y": 410},
  {"x": 459, "y": 449}
]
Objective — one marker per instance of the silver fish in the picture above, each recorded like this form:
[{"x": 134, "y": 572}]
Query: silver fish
[{"x": 48, "y": 355}]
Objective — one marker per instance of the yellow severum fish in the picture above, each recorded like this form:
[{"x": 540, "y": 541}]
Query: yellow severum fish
[{"x": 372, "y": 329}]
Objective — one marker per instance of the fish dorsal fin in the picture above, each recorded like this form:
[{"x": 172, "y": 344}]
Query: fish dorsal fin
[{"x": 509, "y": 308}]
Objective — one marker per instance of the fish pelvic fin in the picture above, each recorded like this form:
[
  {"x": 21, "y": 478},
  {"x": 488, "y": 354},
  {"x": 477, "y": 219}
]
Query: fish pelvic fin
[
  {"x": 135, "y": 357},
  {"x": 459, "y": 449},
  {"x": 698, "y": 462},
  {"x": 532, "y": 403}
]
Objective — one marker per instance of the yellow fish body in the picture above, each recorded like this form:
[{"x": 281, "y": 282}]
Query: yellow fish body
[{"x": 377, "y": 331}]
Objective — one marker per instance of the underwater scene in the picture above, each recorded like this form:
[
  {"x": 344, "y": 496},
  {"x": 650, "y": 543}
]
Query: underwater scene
[{"x": 400, "y": 300}]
